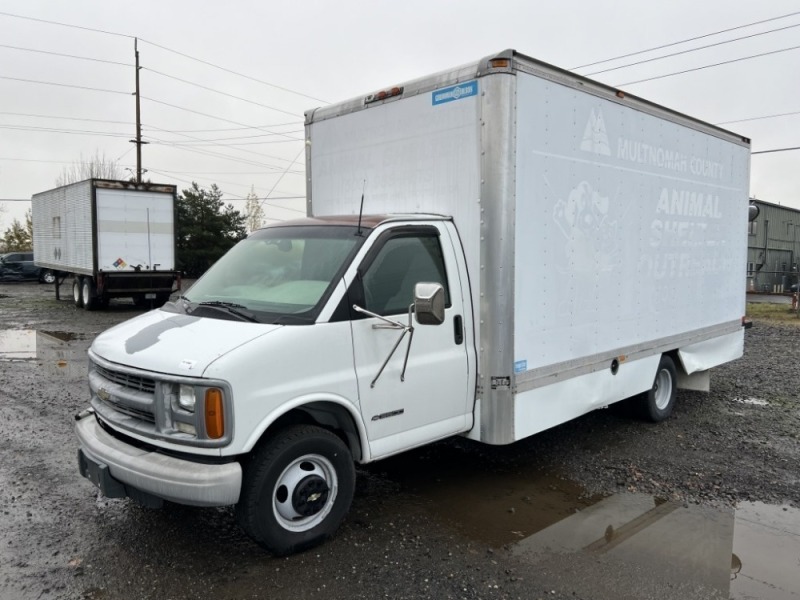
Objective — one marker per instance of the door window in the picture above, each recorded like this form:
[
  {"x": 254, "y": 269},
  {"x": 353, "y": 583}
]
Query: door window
[{"x": 400, "y": 264}]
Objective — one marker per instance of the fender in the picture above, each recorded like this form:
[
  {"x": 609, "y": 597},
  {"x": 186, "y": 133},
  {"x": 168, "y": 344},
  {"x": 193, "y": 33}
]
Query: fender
[{"x": 305, "y": 400}]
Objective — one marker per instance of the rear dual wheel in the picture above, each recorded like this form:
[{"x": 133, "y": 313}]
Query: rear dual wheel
[{"x": 84, "y": 294}]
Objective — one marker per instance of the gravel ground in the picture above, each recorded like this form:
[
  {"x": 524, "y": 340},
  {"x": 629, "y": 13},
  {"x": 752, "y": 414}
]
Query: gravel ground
[{"x": 439, "y": 522}]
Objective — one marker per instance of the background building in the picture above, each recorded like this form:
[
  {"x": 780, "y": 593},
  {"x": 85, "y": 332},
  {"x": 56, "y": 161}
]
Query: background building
[{"x": 772, "y": 248}]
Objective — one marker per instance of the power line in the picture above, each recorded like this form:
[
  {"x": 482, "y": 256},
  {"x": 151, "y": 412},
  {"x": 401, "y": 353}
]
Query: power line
[
  {"x": 212, "y": 117},
  {"x": 243, "y": 137},
  {"x": 648, "y": 60},
  {"x": 278, "y": 87},
  {"x": 272, "y": 189},
  {"x": 726, "y": 62},
  {"x": 759, "y": 118},
  {"x": 776, "y": 150},
  {"x": 210, "y": 89},
  {"x": 692, "y": 39},
  {"x": 237, "y": 196},
  {"x": 15, "y": 114},
  {"x": 244, "y": 161},
  {"x": 5, "y": 14},
  {"x": 232, "y": 147},
  {"x": 65, "y": 131},
  {"x": 67, "y": 85},
  {"x": 109, "y": 62},
  {"x": 237, "y": 128}
]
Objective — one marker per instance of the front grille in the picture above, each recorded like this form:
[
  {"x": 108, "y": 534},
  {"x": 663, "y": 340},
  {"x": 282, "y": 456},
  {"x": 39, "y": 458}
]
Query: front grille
[
  {"x": 131, "y": 411},
  {"x": 133, "y": 382}
]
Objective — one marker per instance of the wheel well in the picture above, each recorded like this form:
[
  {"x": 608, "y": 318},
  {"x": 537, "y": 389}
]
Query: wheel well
[
  {"x": 676, "y": 360},
  {"x": 333, "y": 417}
]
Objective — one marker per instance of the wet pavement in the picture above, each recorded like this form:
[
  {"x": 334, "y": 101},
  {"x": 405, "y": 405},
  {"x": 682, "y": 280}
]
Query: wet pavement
[{"x": 452, "y": 520}]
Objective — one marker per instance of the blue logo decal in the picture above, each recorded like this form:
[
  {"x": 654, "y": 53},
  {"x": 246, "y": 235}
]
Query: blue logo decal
[
  {"x": 456, "y": 92},
  {"x": 520, "y": 366}
]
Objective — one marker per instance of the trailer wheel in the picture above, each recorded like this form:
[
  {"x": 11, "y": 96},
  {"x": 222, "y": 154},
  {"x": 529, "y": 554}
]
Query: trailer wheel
[
  {"x": 88, "y": 294},
  {"x": 77, "y": 294},
  {"x": 296, "y": 490},
  {"x": 657, "y": 403}
]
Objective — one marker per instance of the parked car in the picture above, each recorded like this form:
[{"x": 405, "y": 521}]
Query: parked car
[{"x": 19, "y": 266}]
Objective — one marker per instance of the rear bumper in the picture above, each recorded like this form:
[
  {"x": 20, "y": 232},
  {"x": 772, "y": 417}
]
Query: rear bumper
[{"x": 166, "y": 477}]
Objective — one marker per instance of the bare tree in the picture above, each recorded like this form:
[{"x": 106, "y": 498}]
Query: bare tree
[
  {"x": 254, "y": 212},
  {"x": 98, "y": 167}
]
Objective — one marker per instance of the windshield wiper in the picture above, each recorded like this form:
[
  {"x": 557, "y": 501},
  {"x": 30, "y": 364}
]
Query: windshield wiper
[{"x": 233, "y": 308}]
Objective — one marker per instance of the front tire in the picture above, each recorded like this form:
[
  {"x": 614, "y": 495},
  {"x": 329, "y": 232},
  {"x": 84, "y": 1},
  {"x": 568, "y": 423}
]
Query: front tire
[
  {"x": 296, "y": 490},
  {"x": 657, "y": 403}
]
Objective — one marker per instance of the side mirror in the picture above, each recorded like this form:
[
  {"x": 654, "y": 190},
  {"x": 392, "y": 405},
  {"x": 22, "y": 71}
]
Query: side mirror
[{"x": 429, "y": 303}]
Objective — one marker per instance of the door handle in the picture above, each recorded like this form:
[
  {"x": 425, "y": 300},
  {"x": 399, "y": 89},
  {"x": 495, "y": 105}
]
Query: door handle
[{"x": 458, "y": 329}]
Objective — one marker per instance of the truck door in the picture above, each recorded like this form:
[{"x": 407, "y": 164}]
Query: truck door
[{"x": 431, "y": 401}]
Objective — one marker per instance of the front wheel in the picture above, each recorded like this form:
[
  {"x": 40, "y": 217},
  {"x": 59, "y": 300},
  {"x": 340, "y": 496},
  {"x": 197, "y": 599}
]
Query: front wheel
[
  {"x": 657, "y": 403},
  {"x": 296, "y": 490}
]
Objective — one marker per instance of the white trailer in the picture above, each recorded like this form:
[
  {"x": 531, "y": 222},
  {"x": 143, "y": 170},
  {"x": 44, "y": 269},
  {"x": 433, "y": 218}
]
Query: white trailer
[
  {"x": 490, "y": 251},
  {"x": 114, "y": 238}
]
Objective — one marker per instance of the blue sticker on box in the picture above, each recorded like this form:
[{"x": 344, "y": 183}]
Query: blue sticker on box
[
  {"x": 455, "y": 92},
  {"x": 520, "y": 366}
]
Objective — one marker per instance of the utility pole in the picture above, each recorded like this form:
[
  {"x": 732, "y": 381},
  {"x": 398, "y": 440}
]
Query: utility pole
[{"x": 138, "y": 141}]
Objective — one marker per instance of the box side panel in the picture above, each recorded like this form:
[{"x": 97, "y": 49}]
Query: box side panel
[
  {"x": 630, "y": 228},
  {"x": 62, "y": 228},
  {"x": 135, "y": 230}
]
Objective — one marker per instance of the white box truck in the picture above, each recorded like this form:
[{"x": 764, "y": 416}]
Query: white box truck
[
  {"x": 529, "y": 246},
  {"x": 114, "y": 238}
]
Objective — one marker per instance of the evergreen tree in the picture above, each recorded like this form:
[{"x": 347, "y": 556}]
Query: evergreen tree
[
  {"x": 205, "y": 228},
  {"x": 18, "y": 237}
]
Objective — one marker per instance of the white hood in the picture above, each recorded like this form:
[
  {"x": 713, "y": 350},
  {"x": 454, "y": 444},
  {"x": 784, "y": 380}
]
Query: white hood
[{"x": 171, "y": 343}]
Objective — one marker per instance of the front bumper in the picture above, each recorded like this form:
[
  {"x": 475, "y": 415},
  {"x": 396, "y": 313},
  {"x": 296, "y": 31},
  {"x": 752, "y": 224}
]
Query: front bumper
[{"x": 178, "y": 480}]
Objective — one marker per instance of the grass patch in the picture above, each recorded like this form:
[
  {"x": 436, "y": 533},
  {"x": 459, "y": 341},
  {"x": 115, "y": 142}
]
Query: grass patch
[{"x": 772, "y": 312}]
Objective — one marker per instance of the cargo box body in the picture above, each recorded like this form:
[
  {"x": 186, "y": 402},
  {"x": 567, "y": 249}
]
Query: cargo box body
[
  {"x": 116, "y": 234},
  {"x": 600, "y": 230}
]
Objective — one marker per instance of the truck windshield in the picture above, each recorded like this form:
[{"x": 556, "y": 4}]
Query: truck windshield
[{"x": 279, "y": 274}]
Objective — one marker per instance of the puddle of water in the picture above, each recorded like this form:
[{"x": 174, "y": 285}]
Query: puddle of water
[
  {"x": 752, "y": 551},
  {"x": 60, "y": 352},
  {"x": 766, "y": 548},
  {"x": 495, "y": 506},
  {"x": 606, "y": 544}
]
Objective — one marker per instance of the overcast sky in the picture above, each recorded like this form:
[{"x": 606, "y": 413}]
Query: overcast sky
[{"x": 212, "y": 125}]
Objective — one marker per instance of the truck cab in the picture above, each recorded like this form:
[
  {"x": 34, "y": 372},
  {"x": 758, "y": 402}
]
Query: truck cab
[{"x": 317, "y": 354}]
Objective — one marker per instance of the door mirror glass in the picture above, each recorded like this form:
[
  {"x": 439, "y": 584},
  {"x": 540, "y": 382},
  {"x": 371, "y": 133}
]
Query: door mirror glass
[{"x": 429, "y": 303}]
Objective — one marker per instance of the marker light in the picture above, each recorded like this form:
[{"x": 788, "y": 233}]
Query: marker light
[
  {"x": 215, "y": 419},
  {"x": 499, "y": 63},
  {"x": 383, "y": 95}
]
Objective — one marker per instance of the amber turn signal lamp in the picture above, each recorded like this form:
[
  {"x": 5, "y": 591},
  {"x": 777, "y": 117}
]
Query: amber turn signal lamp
[{"x": 215, "y": 419}]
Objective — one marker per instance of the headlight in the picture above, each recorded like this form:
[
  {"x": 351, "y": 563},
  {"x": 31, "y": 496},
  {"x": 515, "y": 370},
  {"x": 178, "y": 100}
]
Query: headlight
[{"x": 186, "y": 397}]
